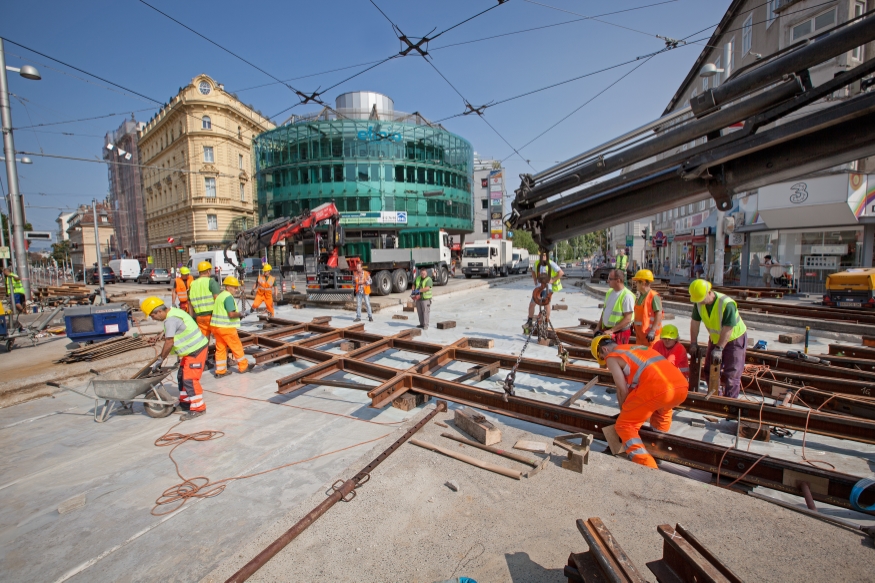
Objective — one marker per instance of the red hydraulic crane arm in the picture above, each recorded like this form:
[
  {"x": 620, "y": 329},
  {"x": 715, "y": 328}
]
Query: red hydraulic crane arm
[{"x": 321, "y": 213}]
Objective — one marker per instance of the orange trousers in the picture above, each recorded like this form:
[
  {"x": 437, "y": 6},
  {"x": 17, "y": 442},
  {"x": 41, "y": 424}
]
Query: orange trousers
[
  {"x": 203, "y": 322},
  {"x": 264, "y": 296},
  {"x": 643, "y": 403},
  {"x": 226, "y": 338},
  {"x": 191, "y": 368}
]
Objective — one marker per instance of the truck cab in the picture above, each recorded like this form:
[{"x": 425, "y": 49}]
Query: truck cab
[{"x": 487, "y": 258}]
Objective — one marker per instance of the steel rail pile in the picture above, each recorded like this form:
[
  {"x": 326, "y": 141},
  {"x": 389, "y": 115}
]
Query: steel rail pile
[
  {"x": 107, "y": 349},
  {"x": 275, "y": 343}
]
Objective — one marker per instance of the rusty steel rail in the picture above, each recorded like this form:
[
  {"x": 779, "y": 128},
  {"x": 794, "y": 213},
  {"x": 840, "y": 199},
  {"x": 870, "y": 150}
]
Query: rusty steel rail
[
  {"x": 604, "y": 561},
  {"x": 858, "y": 352},
  {"x": 686, "y": 560},
  {"x": 796, "y": 311},
  {"x": 344, "y": 491}
]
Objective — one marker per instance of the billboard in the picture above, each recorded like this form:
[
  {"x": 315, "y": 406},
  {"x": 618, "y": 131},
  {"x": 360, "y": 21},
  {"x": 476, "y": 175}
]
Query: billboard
[{"x": 496, "y": 203}]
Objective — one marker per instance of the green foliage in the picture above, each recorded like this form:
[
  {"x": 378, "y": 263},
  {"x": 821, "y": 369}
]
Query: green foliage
[
  {"x": 60, "y": 251},
  {"x": 27, "y": 226},
  {"x": 524, "y": 240}
]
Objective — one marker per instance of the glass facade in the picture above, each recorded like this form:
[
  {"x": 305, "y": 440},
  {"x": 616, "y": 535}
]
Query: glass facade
[{"x": 377, "y": 172}]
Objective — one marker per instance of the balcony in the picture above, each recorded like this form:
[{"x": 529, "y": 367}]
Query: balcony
[{"x": 221, "y": 202}]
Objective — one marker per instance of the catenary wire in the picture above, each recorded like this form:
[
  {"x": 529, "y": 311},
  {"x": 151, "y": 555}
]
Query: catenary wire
[
  {"x": 593, "y": 18},
  {"x": 306, "y": 76}
]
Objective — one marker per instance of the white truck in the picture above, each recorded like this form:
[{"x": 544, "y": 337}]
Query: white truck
[
  {"x": 393, "y": 270},
  {"x": 125, "y": 269},
  {"x": 488, "y": 258},
  {"x": 520, "y": 260}
]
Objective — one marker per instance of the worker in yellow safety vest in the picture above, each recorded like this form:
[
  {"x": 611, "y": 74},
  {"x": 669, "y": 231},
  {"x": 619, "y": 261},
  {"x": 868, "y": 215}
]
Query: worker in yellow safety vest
[
  {"x": 14, "y": 290},
  {"x": 619, "y": 309},
  {"x": 547, "y": 270},
  {"x": 264, "y": 288},
  {"x": 202, "y": 296}
]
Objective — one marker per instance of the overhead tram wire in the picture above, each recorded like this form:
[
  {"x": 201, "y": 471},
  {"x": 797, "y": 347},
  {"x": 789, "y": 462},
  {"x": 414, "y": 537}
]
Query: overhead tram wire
[
  {"x": 55, "y": 123},
  {"x": 305, "y": 76},
  {"x": 132, "y": 164},
  {"x": 596, "y": 19}
]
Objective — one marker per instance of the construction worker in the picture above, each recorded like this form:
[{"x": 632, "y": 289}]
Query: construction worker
[
  {"x": 727, "y": 334},
  {"x": 622, "y": 260},
  {"x": 672, "y": 350},
  {"x": 545, "y": 268},
  {"x": 224, "y": 323},
  {"x": 183, "y": 338},
  {"x": 264, "y": 288},
  {"x": 648, "y": 387},
  {"x": 14, "y": 291},
  {"x": 648, "y": 309},
  {"x": 616, "y": 318},
  {"x": 202, "y": 296},
  {"x": 362, "y": 292},
  {"x": 422, "y": 296},
  {"x": 183, "y": 284}
]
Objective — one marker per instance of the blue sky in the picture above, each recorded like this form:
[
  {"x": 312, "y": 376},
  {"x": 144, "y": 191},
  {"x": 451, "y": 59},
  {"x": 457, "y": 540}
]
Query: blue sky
[{"x": 128, "y": 43}]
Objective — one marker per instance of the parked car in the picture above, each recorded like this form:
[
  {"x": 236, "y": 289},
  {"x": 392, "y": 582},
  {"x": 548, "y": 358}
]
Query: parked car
[
  {"x": 154, "y": 275},
  {"x": 108, "y": 276}
]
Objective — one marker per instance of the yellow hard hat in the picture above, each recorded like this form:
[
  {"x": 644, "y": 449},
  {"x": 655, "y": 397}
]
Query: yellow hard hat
[
  {"x": 231, "y": 280},
  {"x": 149, "y": 304},
  {"x": 699, "y": 289},
  {"x": 643, "y": 275},
  {"x": 266, "y": 267},
  {"x": 669, "y": 331},
  {"x": 204, "y": 266},
  {"x": 594, "y": 347},
  {"x": 184, "y": 270}
]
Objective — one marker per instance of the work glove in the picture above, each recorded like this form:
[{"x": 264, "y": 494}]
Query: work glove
[
  {"x": 156, "y": 365},
  {"x": 651, "y": 335},
  {"x": 694, "y": 350},
  {"x": 717, "y": 355}
]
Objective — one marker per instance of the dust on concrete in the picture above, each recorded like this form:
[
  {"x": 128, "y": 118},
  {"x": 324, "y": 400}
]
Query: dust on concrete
[{"x": 407, "y": 525}]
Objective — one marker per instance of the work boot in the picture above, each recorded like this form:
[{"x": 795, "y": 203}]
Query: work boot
[
  {"x": 184, "y": 406},
  {"x": 370, "y": 318},
  {"x": 191, "y": 415},
  {"x": 420, "y": 326},
  {"x": 357, "y": 320}
]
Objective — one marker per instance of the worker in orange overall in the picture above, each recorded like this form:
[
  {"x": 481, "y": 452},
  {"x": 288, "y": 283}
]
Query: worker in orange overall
[
  {"x": 648, "y": 387},
  {"x": 673, "y": 351},
  {"x": 648, "y": 310},
  {"x": 263, "y": 289},
  {"x": 183, "y": 284},
  {"x": 224, "y": 323}
]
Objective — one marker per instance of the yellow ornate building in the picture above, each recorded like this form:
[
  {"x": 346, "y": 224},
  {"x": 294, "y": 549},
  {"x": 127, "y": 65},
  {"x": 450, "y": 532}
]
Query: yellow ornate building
[{"x": 197, "y": 171}]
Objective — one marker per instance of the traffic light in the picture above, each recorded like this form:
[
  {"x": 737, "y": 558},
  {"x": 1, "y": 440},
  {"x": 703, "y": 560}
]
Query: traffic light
[{"x": 645, "y": 234}]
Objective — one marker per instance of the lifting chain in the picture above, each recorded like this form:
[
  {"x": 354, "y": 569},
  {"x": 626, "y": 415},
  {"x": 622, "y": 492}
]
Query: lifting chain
[{"x": 540, "y": 326}]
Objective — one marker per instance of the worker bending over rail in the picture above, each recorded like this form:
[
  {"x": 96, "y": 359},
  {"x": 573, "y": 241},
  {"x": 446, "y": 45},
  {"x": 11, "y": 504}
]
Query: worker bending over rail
[
  {"x": 727, "y": 334},
  {"x": 202, "y": 296},
  {"x": 224, "y": 324},
  {"x": 616, "y": 318},
  {"x": 263, "y": 289},
  {"x": 673, "y": 351},
  {"x": 648, "y": 309},
  {"x": 183, "y": 338},
  {"x": 545, "y": 269},
  {"x": 648, "y": 387}
]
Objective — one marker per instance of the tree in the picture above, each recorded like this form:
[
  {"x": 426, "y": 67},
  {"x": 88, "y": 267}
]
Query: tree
[
  {"x": 61, "y": 251},
  {"x": 524, "y": 240}
]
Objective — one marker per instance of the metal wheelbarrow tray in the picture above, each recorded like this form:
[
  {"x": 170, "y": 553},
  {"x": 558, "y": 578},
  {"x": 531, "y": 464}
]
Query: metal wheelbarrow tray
[{"x": 157, "y": 402}]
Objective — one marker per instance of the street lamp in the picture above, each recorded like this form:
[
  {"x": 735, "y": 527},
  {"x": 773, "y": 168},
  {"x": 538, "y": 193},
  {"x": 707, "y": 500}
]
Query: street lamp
[{"x": 16, "y": 205}]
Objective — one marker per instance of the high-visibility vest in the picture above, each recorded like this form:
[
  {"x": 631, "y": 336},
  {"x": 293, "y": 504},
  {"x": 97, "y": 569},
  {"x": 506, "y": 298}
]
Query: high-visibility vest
[
  {"x": 617, "y": 309},
  {"x": 189, "y": 340},
  {"x": 221, "y": 319},
  {"x": 361, "y": 283},
  {"x": 13, "y": 285},
  {"x": 648, "y": 368},
  {"x": 200, "y": 296},
  {"x": 265, "y": 284},
  {"x": 622, "y": 261},
  {"x": 677, "y": 355},
  {"x": 420, "y": 283},
  {"x": 645, "y": 318},
  {"x": 182, "y": 286},
  {"x": 713, "y": 321},
  {"x": 556, "y": 286}
]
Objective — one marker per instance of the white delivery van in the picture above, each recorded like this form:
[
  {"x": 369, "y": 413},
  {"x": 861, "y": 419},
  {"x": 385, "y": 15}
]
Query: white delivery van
[
  {"x": 489, "y": 258},
  {"x": 221, "y": 267},
  {"x": 520, "y": 260},
  {"x": 125, "y": 269}
]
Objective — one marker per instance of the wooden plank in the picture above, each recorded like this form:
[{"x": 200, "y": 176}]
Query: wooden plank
[
  {"x": 476, "y": 425},
  {"x": 791, "y": 338},
  {"x": 869, "y": 341},
  {"x": 398, "y": 317},
  {"x": 409, "y": 401},
  {"x": 614, "y": 441},
  {"x": 560, "y": 306},
  {"x": 817, "y": 484},
  {"x": 321, "y": 320},
  {"x": 446, "y": 325},
  {"x": 533, "y": 446},
  {"x": 481, "y": 342},
  {"x": 408, "y": 309},
  {"x": 573, "y": 398}
]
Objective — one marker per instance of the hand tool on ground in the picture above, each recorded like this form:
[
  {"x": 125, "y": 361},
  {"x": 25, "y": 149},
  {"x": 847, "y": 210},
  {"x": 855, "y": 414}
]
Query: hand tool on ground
[
  {"x": 537, "y": 464},
  {"x": 515, "y": 474}
]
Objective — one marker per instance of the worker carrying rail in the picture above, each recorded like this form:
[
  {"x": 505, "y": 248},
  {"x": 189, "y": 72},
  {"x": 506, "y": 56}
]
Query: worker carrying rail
[
  {"x": 648, "y": 309},
  {"x": 202, "y": 296},
  {"x": 224, "y": 323},
  {"x": 727, "y": 334},
  {"x": 616, "y": 318},
  {"x": 264, "y": 288},
  {"x": 670, "y": 347},
  {"x": 183, "y": 338},
  {"x": 180, "y": 291},
  {"x": 545, "y": 268},
  {"x": 648, "y": 387}
]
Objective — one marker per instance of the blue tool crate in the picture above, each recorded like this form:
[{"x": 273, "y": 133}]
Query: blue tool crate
[
  {"x": 3, "y": 330},
  {"x": 95, "y": 323}
]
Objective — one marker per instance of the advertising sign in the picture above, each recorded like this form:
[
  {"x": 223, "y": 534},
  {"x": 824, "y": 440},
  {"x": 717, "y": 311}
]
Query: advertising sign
[{"x": 374, "y": 218}]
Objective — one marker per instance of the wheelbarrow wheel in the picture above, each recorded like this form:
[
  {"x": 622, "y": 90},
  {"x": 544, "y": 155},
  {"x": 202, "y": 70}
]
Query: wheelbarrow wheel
[
  {"x": 9, "y": 344},
  {"x": 158, "y": 411}
]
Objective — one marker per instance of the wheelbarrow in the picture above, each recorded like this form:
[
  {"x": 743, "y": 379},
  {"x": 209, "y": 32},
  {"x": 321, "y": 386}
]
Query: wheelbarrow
[{"x": 123, "y": 393}]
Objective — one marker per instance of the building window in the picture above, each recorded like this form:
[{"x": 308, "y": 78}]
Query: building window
[
  {"x": 812, "y": 25},
  {"x": 484, "y": 226},
  {"x": 747, "y": 34},
  {"x": 240, "y": 160},
  {"x": 485, "y": 203},
  {"x": 208, "y": 154},
  {"x": 206, "y": 123},
  {"x": 705, "y": 84},
  {"x": 859, "y": 9},
  {"x": 718, "y": 78},
  {"x": 242, "y": 192},
  {"x": 210, "y": 187},
  {"x": 773, "y": 6},
  {"x": 239, "y": 133},
  {"x": 212, "y": 221}
]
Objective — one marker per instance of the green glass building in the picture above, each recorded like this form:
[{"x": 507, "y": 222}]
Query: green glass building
[{"x": 389, "y": 173}]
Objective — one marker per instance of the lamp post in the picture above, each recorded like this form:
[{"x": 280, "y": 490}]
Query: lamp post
[{"x": 16, "y": 206}]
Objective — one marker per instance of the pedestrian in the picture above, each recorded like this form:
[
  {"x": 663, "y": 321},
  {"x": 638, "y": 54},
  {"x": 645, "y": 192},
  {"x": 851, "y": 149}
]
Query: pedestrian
[
  {"x": 182, "y": 337},
  {"x": 223, "y": 325},
  {"x": 453, "y": 267},
  {"x": 202, "y": 296},
  {"x": 766, "y": 270},
  {"x": 180, "y": 291},
  {"x": 264, "y": 288},
  {"x": 698, "y": 268},
  {"x": 648, "y": 388},
  {"x": 648, "y": 309},
  {"x": 670, "y": 347},
  {"x": 548, "y": 271},
  {"x": 617, "y": 315},
  {"x": 727, "y": 334},
  {"x": 422, "y": 296},
  {"x": 666, "y": 266},
  {"x": 14, "y": 291},
  {"x": 363, "y": 282}
]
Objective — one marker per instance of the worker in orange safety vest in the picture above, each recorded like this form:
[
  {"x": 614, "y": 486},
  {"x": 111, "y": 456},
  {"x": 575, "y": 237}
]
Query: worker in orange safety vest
[
  {"x": 673, "y": 351},
  {"x": 648, "y": 310},
  {"x": 180, "y": 291},
  {"x": 648, "y": 387},
  {"x": 264, "y": 289}
]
